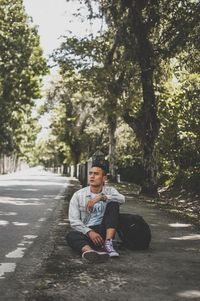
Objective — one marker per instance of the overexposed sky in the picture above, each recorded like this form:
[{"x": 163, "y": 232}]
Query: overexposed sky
[{"x": 54, "y": 18}]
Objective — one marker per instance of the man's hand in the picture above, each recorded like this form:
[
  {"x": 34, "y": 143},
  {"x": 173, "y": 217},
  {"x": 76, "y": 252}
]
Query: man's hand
[
  {"x": 96, "y": 238},
  {"x": 92, "y": 202}
]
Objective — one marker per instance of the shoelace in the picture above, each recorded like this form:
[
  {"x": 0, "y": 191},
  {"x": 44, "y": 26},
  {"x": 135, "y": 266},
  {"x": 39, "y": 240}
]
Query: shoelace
[{"x": 109, "y": 246}]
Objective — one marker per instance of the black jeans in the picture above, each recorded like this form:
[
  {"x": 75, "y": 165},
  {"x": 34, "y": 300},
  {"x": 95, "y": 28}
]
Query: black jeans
[{"x": 77, "y": 240}]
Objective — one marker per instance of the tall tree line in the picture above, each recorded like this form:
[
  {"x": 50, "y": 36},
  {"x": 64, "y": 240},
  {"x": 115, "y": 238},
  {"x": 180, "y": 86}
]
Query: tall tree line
[
  {"x": 142, "y": 70},
  {"x": 22, "y": 66}
]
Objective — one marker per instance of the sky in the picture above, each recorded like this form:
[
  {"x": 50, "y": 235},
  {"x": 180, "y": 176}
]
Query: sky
[{"x": 54, "y": 18}]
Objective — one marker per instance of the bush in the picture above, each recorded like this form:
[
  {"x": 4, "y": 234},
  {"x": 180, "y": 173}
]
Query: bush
[{"x": 190, "y": 182}]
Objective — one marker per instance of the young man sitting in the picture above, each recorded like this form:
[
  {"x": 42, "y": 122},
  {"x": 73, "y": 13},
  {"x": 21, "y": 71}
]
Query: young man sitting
[{"x": 94, "y": 217}]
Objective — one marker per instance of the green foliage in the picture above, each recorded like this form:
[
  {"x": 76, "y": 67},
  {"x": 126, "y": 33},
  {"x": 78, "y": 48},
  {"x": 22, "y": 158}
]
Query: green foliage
[
  {"x": 128, "y": 153},
  {"x": 24, "y": 133},
  {"x": 49, "y": 153},
  {"x": 144, "y": 63},
  {"x": 21, "y": 69},
  {"x": 179, "y": 111},
  {"x": 127, "y": 148},
  {"x": 73, "y": 116}
]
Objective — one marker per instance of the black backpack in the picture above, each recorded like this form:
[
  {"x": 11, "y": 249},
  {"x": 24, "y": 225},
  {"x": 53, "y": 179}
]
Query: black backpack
[{"x": 134, "y": 232}]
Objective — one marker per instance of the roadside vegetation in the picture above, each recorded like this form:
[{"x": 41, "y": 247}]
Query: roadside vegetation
[{"x": 22, "y": 67}]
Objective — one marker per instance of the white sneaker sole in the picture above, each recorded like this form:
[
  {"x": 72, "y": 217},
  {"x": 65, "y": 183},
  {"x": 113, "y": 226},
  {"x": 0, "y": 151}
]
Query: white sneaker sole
[{"x": 113, "y": 255}]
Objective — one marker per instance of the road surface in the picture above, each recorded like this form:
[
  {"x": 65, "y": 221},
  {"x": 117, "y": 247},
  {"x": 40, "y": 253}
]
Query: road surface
[{"x": 27, "y": 200}]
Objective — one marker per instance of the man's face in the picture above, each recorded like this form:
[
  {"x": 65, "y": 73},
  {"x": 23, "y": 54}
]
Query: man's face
[{"x": 96, "y": 177}]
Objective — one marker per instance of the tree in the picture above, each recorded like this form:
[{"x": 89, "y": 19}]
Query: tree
[
  {"x": 101, "y": 76},
  {"x": 72, "y": 113},
  {"x": 114, "y": 68},
  {"x": 149, "y": 35},
  {"x": 25, "y": 129},
  {"x": 21, "y": 69},
  {"x": 179, "y": 136},
  {"x": 123, "y": 63}
]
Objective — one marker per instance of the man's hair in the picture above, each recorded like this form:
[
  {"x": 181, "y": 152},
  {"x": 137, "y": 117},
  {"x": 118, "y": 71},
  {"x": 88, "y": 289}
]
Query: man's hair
[{"x": 102, "y": 166}]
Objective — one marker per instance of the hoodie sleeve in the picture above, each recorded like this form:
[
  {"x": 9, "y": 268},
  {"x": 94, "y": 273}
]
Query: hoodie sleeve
[
  {"x": 114, "y": 196},
  {"x": 75, "y": 215}
]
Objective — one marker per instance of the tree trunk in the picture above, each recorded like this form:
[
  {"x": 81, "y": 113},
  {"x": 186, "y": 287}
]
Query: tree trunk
[
  {"x": 146, "y": 124},
  {"x": 76, "y": 160},
  {"x": 76, "y": 154},
  {"x": 147, "y": 130},
  {"x": 112, "y": 125}
]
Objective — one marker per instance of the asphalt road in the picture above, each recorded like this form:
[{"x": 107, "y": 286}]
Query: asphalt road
[
  {"x": 27, "y": 201},
  {"x": 51, "y": 271}
]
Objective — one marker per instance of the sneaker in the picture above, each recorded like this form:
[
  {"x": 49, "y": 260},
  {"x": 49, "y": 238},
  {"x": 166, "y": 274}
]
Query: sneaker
[
  {"x": 93, "y": 256},
  {"x": 108, "y": 246}
]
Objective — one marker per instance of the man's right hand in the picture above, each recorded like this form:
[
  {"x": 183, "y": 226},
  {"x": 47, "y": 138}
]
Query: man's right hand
[
  {"x": 93, "y": 201},
  {"x": 96, "y": 238}
]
